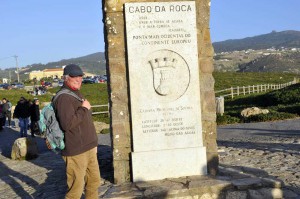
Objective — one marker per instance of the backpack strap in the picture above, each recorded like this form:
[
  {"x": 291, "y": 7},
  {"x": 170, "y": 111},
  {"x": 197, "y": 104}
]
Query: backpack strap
[{"x": 68, "y": 92}]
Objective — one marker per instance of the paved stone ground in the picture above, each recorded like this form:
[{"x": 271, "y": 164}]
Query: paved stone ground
[
  {"x": 43, "y": 177},
  {"x": 264, "y": 149},
  {"x": 270, "y": 149}
]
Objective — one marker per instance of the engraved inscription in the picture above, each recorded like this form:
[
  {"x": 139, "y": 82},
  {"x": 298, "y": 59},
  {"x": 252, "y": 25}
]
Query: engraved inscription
[{"x": 167, "y": 123}]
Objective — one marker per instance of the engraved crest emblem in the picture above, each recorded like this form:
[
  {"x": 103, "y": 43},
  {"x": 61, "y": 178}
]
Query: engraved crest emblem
[
  {"x": 171, "y": 75},
  {"x": 163, "y": 71}
]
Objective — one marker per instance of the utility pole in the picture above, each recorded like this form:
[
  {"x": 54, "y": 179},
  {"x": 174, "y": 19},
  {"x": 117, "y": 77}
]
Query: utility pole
[
  {"x": 16, "y": 57},
  {"x": 9, "y": 76}
]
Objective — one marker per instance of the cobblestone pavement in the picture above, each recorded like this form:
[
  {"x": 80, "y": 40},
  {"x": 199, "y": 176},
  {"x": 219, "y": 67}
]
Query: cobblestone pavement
[
  {"x": 43, "y": 177},
  {"x": 264, "y": 149}
]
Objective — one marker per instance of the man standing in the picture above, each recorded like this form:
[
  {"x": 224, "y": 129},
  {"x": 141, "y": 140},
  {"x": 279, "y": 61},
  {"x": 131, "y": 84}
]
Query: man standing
[
  {"x": 7, "y": 111},
  {"x": 22, "y": 113},
  {"x": 80, "y": 153}
]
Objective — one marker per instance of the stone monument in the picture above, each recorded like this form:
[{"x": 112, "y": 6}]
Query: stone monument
[{"x": 159, "y": 59}]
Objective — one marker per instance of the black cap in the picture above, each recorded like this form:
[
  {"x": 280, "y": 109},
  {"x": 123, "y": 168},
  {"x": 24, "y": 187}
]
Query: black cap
[{"x": 73, "y": 70}]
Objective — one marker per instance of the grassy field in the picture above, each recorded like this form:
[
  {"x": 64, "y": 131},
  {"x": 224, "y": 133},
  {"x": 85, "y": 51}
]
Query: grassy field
[
  {"x": 282, "y": 104},
  {"x": 225, "y": 80},
  {"x": 96, "y": 94}
]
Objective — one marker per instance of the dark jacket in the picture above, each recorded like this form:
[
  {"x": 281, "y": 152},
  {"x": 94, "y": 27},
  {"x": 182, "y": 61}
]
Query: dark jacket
[
  {"x": 2, "y": 114},
  {"x": 77, "y": 123},
  {"x": 34, "y": 112},
  {"x": 22, "y": 110},
  {"x": 5, "y": 108}
]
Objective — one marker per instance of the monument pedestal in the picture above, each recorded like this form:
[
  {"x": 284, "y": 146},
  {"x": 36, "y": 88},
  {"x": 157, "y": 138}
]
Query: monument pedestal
[{"x": 157, "y": 165}]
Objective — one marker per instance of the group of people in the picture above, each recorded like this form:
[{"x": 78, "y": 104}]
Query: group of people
[{"x": 26, "y": 111}]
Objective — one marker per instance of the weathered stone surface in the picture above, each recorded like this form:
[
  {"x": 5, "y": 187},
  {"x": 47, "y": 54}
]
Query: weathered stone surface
[
  {"x": 121, "y": 153},
  {"x": 236, "y": 195},
  {"x": 266, "y": 193},
  {"x": 119, "y": 113},
  {"x": 120, "y": 138},
  {"x": 253, "y": 111},
  {"x": 206, "y": 66},
  {"x": 114, "y": 24},
  {"x": 121, "y": 171},
  {"x": 118, "y": 66},
  {"x": 208, "y": 101},
  {"x": 207, "y": 82},
  {"x": 24, "y": 148},
  {"x": 246, "y": 183},
  {"x": 209, "y": 130},
  {"x": 99, "y": 126},
  {"x": 118, "y": 83}
]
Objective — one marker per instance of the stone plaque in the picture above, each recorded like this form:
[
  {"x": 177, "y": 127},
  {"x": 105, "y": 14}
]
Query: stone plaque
[{"x": 164, "y": 89}]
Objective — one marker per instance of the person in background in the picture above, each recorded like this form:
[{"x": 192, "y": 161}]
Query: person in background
[
  {"x": 34, "y": 117},
  {"x": 22, "y": 113},
  {"x": 7, "y": 111},
  {"x": 81, "y": 141},
  {"x": 2, "y": 116}
]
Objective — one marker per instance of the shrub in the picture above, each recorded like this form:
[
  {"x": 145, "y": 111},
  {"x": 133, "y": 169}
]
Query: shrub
[
  {"x": 295, "y": 109},
  {"x": 287, "y": 95},
  {"x": 226, "y": 119},
  {"x": 105, "y": 131},
  {"x": 272, "y": 116}
]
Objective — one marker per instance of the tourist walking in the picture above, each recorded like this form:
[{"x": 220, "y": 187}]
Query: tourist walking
[
  {"x": 34, "y": 117},
  {"x": 7, "y": 111},
  {"x": 80, "y": 153},
  {"x": 22, "y": 113}
]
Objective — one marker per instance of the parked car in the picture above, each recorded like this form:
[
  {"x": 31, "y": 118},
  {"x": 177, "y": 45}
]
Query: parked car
[
  {"x": 60, "y": 83},
  {"x": 88, "y": 81},
  {"x": 47, "y": 84},
  {"x": 17, "y": 85},
  {"x": 5, "y": 86}
]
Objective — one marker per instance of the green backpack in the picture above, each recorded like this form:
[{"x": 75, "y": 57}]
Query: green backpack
[{"x": 49, "y": 124}]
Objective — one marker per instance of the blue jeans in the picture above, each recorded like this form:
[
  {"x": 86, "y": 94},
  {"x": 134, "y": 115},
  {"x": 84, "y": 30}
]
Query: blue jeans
[{"x": 23, "y": 124}]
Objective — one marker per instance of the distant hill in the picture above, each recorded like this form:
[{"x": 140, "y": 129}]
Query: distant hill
[
  {"x": 94, "y": 63},
  {"x": 286, "y": 39},
  {"x": 279, "y": 62}
]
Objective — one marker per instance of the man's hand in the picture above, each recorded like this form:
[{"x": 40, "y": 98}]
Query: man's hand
[
  {"x": 86, "y": 104},
  {"x": 48, "y": 144}
]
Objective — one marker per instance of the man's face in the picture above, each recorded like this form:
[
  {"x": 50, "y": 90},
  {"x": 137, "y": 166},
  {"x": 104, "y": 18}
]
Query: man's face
[
  {"x": 74, "y": 82},
  {"x": 4, "y": 101}
]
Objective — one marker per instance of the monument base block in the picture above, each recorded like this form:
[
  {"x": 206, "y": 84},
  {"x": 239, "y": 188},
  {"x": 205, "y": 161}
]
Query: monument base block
[{"x": 174, "y": 163}]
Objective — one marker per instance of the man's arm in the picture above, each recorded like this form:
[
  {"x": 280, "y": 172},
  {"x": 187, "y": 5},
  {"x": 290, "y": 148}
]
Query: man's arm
[{"x": 71, "y": 115}]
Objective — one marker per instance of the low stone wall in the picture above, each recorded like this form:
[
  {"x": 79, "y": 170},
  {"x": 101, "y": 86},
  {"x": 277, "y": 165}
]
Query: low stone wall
[{"x": 231, "y": 185}]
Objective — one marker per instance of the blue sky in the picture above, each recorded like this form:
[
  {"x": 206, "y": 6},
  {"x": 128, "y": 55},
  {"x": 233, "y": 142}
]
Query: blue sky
[{"x": 42, "y": 31}]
